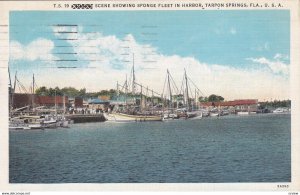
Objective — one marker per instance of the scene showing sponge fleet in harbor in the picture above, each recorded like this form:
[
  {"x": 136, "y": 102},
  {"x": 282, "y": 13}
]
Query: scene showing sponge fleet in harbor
[{"x": 129, "y": 102}]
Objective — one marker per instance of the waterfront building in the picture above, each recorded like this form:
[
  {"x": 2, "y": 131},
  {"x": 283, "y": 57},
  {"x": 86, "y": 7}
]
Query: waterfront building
[{"x": 250, "y": 105}]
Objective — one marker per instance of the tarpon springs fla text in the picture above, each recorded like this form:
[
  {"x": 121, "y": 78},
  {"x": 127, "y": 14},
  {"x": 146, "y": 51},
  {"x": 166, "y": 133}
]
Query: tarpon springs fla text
[{"x": 169, "y": 5}]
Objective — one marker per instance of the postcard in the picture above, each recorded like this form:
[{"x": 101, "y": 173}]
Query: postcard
[{"x": 120, "y": 95}]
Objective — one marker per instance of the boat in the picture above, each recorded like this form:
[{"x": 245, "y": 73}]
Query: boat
[
  {"x": 134, "y": 111},
  {"x": 214, "y": 114},
  {"x": 191, "y": 108},
  {"x": 63, "y": 121},
  {"x": 34, "y": 117},
  {"x": 205, "y": 113},
  {"x": 194, "y": 114},
  {"x": 245, "y": 113},
  {"x": 170, "y": 116},
  {"x": 121, "y": 117},
  {"x": 26, "y": 123},
  {"x": 50, "y": 121},
  {"x": 168, "y": 97},
  {"x": 17, "y": 124},
  {"x": 281, "y": 110}
]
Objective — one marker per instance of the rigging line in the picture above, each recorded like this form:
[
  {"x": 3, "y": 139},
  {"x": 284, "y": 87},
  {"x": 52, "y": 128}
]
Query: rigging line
[
  {"x": 122, "y": 87},
  {"x": 182, "y": 86},
  {"x": 173, "y": 82},
  {"x": 195, "y": 86},
  {"x": 164, "y": 85},
  {"x": 147, "y": 91},
  {"x": 174, "y": 87},
  {"x": 19, "y": 88},
  {"x": 190, "y": 89},
  {"x": 22, "y": 86},
  {"x": 144, "y": 87},
  {"x": 130, "y": 76}
]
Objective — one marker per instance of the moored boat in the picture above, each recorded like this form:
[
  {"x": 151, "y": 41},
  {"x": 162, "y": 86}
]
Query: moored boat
[
  {"x": 281, "y": 110},
  {"x": 25, "y": 123},
  {"x": 120, "y": 117},
  {"x": 245, "y": 113}
]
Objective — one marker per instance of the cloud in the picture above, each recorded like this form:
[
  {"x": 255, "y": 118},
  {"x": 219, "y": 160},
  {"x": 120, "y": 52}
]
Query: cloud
[
  {"x": 40, "y": 49},
  {"x": 280, "y": 56},
  {"x": 263, "y": 47},
  {"x": 233, "y": 31},
  {"x": 276, "y": 66},
  {"x": 109, "y": 59}
]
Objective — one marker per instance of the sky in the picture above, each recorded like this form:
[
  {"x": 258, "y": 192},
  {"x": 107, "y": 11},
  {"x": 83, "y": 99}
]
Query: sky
[{"x": 235, "y": 54}]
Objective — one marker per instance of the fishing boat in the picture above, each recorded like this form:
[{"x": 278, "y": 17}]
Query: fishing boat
[
  {"x": 121, "y": 117},
  {"x": 30, "y": 117},
  {"x": 191, "y": 109},
  {"x": 170, "y": 91},
  {"x": 26, "y": 123},
  {"x": 245, "y": 113},
  {"x": 205, "y": 112},
  {"x": 195, "y": 114},
  {"x": 170, "y": 116},
  {"x": 281, "y": 110},
  {"x": 133, "y": 111},
  {"x": 214, "y": 114}
]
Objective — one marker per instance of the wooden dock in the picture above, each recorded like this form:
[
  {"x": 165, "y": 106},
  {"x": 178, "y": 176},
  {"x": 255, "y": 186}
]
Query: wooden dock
[{"x": 86, "y": 118}]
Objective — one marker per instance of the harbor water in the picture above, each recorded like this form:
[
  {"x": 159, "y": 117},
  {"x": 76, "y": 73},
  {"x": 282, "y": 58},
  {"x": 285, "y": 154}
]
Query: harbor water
[{"x": 210, "y": 150}]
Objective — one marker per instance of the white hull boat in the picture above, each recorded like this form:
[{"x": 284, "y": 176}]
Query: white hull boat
[
  {"x": 120, "y": 117},
  {"x": 245, "y": 113},
  {"x": 170, "y": 116},
  {"x": 281, "y": 110},
  {"x": 214, "y": 114},
  {"x": 194, "y": 114}
]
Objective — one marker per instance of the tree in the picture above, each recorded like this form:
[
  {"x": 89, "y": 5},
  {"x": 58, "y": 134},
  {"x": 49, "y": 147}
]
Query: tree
[
  {"x": 203, "y": 99},
  {"x": 215, "y": 98},
  {"x": 42, "y": 91},
  {"x": 71, "y": 91},
  {"x": 82, "y": 92},
  {"x": 58, "y": 92}
]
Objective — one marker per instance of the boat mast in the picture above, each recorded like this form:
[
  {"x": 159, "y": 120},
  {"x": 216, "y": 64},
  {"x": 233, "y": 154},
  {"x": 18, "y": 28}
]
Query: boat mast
[
  {"x": 33, "y": 92},
  {"x": 126, "y": 91},
  {"x": 187, "y": 90},
  {"x": 9, "y": 78},
  {"x": 152, "y": 100},
  {"x": 64, "y": 102},
  {"x": 13, "y": 91},
  {"x": 141, "y": 101},
  {"x": 170, "y": 90},
  {"x": 133, "y": 75},
  {"x": 195, "y": 101},
  {"x": 55, "y": 104},
  {"x": 10, "y": 93},
  {"x": 118, "y": 93}
]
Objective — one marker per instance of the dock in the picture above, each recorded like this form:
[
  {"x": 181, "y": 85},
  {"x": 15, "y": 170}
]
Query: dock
[{"x": 86, "y": 118}]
